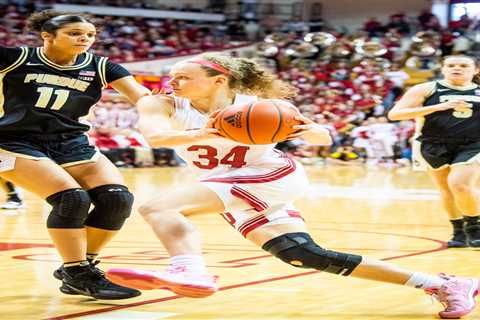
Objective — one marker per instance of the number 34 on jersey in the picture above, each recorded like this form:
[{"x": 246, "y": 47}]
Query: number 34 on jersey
[{"x": 208, "y": 156}]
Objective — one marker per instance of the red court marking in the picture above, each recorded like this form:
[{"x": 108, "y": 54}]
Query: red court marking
[
  {"x": 443, "y": 246},
  {"x": 4, "y": 246}
]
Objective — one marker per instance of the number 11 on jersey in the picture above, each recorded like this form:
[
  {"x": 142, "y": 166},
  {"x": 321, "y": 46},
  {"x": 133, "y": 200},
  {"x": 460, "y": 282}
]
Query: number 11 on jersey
[{"x": 46, "y": 95}]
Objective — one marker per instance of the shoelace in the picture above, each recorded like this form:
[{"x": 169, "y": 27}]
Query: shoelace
[
  {"x": 97, "y": 274},
  {"x": 433, "y": 292},
  {"x": 93, "y": 266},
  {"x": 176, "y": 269},
  {"x": 447, "y": 297},
  {"x": 180, "y": 269}
]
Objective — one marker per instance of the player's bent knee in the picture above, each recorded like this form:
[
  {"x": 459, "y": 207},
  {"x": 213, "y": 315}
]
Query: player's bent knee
[
  {"x": 69, "y": 209},
  {"x": 153, "y": 208},
  {"x": 460, "y": 187},
  {"x": 113, "y": 205},
  {"x": 299, "y": 250}
]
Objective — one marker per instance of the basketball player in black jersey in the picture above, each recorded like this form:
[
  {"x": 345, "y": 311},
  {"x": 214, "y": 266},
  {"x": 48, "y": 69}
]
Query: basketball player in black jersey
[
  {"x": 44, "y": 149},
  {"x": 449, "y": 114}
]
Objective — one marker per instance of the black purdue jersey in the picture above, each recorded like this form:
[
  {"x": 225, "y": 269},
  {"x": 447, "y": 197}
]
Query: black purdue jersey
[
  {"x": 38, "y": 96},
  {"x": 452, "y": 125}
]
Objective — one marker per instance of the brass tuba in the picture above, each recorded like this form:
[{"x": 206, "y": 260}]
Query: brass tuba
[
  {"x": 344, "y": 49},
  {"x": 424, "y": 51},
  {"x": 320, "y": 39},
  {"x": 301, "y": 49},
  {"x": 271, "y": 45},
  {"x": 371, "y": 53},
  {"x": 268, "y": 50},
  {"x": 431, "y": 37},
  {"x": 280, "y": 39},
  {"x": 371, "y": 49}
]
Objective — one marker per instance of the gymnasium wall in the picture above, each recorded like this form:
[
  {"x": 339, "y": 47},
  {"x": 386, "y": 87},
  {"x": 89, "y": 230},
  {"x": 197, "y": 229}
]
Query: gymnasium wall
[
  {"x": 339, "y": 13},
  {"x": 353, "y": 13},
  {"x": 349, "y": 13}
]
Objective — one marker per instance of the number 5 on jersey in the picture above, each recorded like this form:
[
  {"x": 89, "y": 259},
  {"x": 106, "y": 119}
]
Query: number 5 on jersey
[
  {"x": 463, "y": 112},
  {"x": 46, "y": 95}
]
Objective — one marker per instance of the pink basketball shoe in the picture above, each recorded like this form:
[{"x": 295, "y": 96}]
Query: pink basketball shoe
[
  {"x": 457, "y": 296},
  {"x": 178, "y": 280}
]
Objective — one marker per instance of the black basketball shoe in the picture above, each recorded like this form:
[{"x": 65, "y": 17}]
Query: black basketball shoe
[
  {"x": 473, "y": 235},
  {"x": 92, "y": 282},
  {"x": 63, "y": 288},
  {"x": 459, "y": 239}
]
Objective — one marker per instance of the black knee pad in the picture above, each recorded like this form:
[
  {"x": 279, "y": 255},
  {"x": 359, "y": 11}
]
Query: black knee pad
[
  {"x": 70, "y": 209},
  {"x": 113, "y": 205},
  {"x": 299, "y": 250}
]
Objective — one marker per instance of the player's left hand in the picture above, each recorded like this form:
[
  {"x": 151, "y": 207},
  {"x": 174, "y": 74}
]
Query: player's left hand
[
  {"x": 311, "y": 131},
  {"x": 210, "y": 125},
  {"x": 306, "y": 125}
]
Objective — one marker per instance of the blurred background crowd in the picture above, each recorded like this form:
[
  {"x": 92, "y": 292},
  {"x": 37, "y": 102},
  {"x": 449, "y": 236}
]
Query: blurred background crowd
[{"x": 347, "y": 79}]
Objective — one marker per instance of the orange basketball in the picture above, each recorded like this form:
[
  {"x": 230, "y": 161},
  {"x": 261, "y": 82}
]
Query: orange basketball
[{"x": 261, "y": 122}]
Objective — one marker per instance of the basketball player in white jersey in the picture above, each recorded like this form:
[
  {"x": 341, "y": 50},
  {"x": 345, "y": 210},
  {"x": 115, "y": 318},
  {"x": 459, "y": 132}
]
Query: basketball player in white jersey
[{"x": 252, "y": 185}]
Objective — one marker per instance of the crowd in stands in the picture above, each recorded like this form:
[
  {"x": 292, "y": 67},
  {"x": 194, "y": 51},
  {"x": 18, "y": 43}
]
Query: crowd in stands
[
  {"x": 352, "y": 101},
  {"x": 126, "y": 39},
  {"x": 350, "y": 95},
  {"x": 215, "y": 6}
]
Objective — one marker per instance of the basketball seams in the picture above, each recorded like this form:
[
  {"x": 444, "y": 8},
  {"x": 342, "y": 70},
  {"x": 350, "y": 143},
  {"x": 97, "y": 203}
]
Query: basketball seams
[
  {"x": 220, "y": 118},
  {"x": 247, "y": 119},
  {"x": 280, "y": 121}
]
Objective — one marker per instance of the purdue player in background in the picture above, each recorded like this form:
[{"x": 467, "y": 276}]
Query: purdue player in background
[
  {"x": 450, "y": 141},
  {"x": 44, "y": 149},
  {"x": 14, "y": 201}
]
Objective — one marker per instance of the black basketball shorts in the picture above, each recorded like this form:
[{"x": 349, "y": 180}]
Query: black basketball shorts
[
  {"x": 64, "y": 149},
  {"x": 440, "y": 155}
]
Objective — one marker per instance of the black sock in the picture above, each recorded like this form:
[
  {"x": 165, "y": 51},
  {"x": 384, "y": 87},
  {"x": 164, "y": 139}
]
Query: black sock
[
  {"x": 76, "y": 266},
  {"x": 12, "y": 193},
  {"x": 471, "y": 221},
  {"x": 457, "y": 224},
  {"x": 91, "y": 257},
  {"x": 10, "y": 187},
  {"x": 13, "y": 196}
]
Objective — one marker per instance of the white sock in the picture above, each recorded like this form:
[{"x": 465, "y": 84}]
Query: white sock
[
  {"x": 192, "y": 262},
  {"x": 423, "y": 281}
]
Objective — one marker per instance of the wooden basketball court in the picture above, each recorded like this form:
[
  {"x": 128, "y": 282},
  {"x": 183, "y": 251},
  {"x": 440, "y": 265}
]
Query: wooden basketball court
[{"x": 392, "y": 215}]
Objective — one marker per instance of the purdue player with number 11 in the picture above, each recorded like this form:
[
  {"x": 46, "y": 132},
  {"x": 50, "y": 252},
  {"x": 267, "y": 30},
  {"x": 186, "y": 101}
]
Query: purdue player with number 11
[
  {"x": 448, "y": 118},
  {"x": 44, "y": 149}
]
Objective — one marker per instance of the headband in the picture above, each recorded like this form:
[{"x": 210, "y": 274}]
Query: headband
[
  {"x": 211, "y": 65},
  {"x": 63, "y": 17}
]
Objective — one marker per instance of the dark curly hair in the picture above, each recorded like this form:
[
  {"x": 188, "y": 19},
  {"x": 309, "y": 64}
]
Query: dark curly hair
[{"x": 50, "y": 21}]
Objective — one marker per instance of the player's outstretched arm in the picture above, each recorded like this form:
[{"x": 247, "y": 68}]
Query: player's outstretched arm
[
  {"x": 410, "y": 106},
  {"x": 130, "y": 88},
  {"x": 155, "y": 123}
]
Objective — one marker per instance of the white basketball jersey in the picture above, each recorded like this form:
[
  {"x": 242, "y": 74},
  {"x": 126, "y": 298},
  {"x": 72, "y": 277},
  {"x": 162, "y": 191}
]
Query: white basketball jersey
[{"x": 220, "y": 156}]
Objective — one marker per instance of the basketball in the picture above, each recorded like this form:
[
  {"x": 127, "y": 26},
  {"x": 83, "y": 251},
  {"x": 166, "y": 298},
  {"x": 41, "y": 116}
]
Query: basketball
[{"x": 260, "y": 122}]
